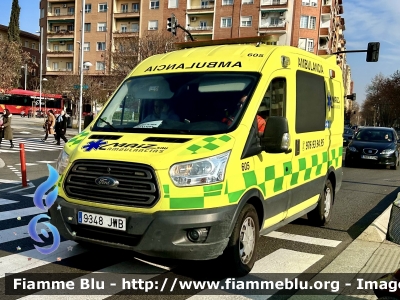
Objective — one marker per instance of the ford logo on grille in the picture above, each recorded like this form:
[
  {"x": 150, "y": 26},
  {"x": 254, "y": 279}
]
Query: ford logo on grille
[{"x": 106, "y": 181}]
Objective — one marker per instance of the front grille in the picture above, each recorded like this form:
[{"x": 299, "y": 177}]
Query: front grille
[
  {"x": 106, "y": 235},
  {"x": 370, "y": 151},
  {"x": 137, "y": 183}
]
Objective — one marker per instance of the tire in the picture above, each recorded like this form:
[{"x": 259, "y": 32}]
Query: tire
[
  {"x": 395, "y": 166},
  {"x": 247, "y": 226},
  {"x": 321, "y": 215}
]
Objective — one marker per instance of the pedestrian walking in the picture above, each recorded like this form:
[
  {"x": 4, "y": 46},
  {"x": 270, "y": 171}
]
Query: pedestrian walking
[
  {"x": 61, "y": 127},
  {"x": 49, "y": 125},
  {"x": 5, "y": 128}
]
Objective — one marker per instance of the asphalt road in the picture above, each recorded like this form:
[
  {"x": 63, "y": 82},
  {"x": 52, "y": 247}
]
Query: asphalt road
[{"x": 296, "y": 247}]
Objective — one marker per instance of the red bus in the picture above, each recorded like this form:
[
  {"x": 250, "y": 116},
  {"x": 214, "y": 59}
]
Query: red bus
[{"x": 18, "y": 101}]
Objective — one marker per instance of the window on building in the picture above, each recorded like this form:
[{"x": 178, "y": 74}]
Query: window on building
[
  {"x": 33, "y": 73},
  {"x": 57, "y": 11},
  {"x": 70, "y": 47},
  {"x": 124, "y": 8},
  {"x": 56, "y": 28},
  {"x": 124, "y": 28},
  {"x": 227, "y": 2},
  {"x": 276, "y": 2},
  {"x": 99, "y": 66},
  {"x": 26, "y": 44},
  {"x": 42, "y": 13},
  {"x": 274, "y": 21},
  {"x": 101, "y": 46},
  {"x": 172, "y": 3},
  {"x": 203, "y": 24},
  {"x": 102, "y": 7},
  {"x": 226, "y": 22},
  {"x": 70, "y": 27},
  {"x": 69, "y": 66},
  {"x": 245, "y": 21},
  {"x": 153, "y": 25},
  {"x": 204, "y": 4},
  {"x": 88, "y": 8},
  {"x": 86, "y": 46},
  {"x": 247, "y": 1},
  {"x": 308, "y": 22},
  {"x": 154, "y": 4},
  {"x": 56, "y": 47},
  {"x": 55, "y": 66},
  {"x": 71, "y": 11},
  {"x": 135, "y": 27},
  {"x": 87, "y": 27},
  {"x": 135, "y": 7},
  {"x": 33, "y": 46},
  {"x": 309, "y": 3},
  {"x": 101, "y": 26},
  {"x": 33, "y": 58},
  {"x": 306, "y": 44}
]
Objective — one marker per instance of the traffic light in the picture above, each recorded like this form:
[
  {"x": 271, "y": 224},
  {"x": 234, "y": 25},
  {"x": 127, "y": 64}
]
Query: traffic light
[
  {"x": 373, "y": 52},
  {"x": 171, "y": 24}
]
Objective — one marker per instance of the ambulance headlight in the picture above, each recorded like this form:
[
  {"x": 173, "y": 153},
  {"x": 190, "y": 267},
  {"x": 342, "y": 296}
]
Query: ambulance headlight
[
  {"x": 62, "y": 162},
  {"x": 199, "y": 172}
]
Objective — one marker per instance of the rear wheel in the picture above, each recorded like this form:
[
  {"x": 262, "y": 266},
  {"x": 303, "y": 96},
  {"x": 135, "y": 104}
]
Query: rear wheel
[
  {"x": 321, "y": 215},
  {"x": 239, "y": 256}
]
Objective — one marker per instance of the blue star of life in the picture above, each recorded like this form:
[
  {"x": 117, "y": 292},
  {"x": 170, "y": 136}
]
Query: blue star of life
[{"x": 94, "y": 145}]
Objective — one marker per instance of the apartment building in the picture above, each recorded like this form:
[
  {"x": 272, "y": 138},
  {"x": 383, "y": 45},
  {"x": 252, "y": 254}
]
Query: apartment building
[
  {"x": 314, "y": 25},
  {"x": 30, "y": 43}
]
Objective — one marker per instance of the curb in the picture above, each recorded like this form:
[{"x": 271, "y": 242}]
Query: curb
[{"x": 376, "y": 232}]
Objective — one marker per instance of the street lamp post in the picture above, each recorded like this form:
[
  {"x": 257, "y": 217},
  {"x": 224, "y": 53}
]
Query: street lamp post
[
  {"x": 26, "y": 74},
  {"x": 81, "y": 67},
  {"x": 41, "y": 69}
]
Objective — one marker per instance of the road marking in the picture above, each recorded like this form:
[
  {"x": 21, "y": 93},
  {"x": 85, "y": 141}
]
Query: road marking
[
  {"x": 30, "y": 185},
  {"x": 27, "y": 164},
  {"x": 2, "y": 163},
  {"x": 6, "y": 201},
  {"x": 25, "y": 132},
  {"x": 281, "y": 261},
  {"x": 47, "y": 161},
  {"x": 8, "y": 181},
  {"x": 303, "y": 239},
  {"x": 17, "y": 263},
  {"x": 13, "y": 214},
  {"x": 17, "y": 233}
]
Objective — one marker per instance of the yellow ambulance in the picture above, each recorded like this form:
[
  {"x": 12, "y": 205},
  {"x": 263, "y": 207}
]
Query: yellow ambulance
[{"x": 202, "y": 150}]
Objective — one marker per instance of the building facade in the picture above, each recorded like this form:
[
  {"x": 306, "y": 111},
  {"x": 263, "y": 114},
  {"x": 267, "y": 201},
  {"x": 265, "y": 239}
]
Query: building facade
[
  {"x": 30, "y": 43},
  {"x": 313, "y": 25}
]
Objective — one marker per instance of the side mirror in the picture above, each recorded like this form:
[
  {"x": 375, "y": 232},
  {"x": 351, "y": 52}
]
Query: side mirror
[{"x": 276, "y": 138}]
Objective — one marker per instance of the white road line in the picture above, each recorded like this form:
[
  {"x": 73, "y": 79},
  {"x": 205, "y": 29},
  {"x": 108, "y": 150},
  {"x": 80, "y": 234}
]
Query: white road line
[
  {"x": 132, "y": 267},
  {"x": 282, "y": 261},
  {"x": 6, "y": 201},
  {"x": 30, "y": 186},
  {"x": 303, "y": 239},
  {"x": 8, "y": 181},
  {"x": 13, "y": 214},
  {"x": 17, "y": 233},
  {"x": 17, "y": 263}
]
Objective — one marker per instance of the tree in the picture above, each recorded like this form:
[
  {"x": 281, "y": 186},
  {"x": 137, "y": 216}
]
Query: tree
[
  {"x": 11, "y": 60},
  {"x": 13, "y": 27}
]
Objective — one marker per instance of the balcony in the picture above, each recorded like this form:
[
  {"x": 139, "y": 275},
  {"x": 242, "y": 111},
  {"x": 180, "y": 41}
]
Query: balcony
[
  {"x": 201, "y": 8},
  {"x": 61, "y": 15},
  {"x": 324, "y": 31},
  {"x": 60, "y": 53},
  {"x": 199, "y": 29},
  {"x": 274, "y": 2},
  {"x": 126, "y": 13},
  {"x": 61, "y": 33},
  {"x": 266, "y": 23},
  {"x": 341, "y": 10},
  {"x": 125, "y": 33},
  {"x": 326, "y": 9},
  {"x": 52, "y": 71}
]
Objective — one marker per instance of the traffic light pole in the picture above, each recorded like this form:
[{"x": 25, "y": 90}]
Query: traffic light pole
[{"x": 185, "y": 30}]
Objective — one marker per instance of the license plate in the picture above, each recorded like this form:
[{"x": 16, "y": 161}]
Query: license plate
[
  {"x": 101, "y": 221},
  {"x": 369, "y": 157}
]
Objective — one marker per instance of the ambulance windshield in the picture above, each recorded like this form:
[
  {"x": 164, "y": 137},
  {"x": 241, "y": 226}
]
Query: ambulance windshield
[{"x": 197, "y": 103}]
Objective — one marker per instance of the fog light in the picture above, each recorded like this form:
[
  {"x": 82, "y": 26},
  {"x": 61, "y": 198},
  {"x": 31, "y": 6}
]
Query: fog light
[{"x": 197, "y": 235}]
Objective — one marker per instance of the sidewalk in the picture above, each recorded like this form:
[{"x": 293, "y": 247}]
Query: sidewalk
[{"x": 369, "y": 253}]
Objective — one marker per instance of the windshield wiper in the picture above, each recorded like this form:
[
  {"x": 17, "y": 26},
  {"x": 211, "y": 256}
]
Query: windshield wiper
[{"x": 109, "y": 124}]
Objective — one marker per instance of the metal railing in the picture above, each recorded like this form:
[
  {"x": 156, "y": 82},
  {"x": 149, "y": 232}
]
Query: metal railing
[
  {"x": 199, "y": 27},
  {"x": 273, "y": 2},
  {"x": 58, "y": 14},
  {"x": 267, "y": 24},
  {"x": 201, "y": 6},
  {"x": 125, "y": 11},
  {"x": 126, "y": 31}
]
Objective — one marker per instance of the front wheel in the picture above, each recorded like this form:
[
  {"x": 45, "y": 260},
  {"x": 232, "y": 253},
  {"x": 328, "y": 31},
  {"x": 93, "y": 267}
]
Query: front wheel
[
  {"x": 321, "y": 215},
  {"x": 239, "y": 256}
]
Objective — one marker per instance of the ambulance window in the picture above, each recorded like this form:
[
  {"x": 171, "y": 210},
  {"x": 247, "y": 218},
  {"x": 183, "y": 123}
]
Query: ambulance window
[
  {"x": 274, "y": 101},
  {"x": 310, "y": 102}
]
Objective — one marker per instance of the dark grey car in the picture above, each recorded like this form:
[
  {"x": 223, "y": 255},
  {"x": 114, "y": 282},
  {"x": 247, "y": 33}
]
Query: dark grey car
[{"x": 347, "y": 136}]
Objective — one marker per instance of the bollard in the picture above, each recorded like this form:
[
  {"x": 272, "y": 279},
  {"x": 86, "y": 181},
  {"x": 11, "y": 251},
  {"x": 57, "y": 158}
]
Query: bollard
[{"x": 23, "y": 164}]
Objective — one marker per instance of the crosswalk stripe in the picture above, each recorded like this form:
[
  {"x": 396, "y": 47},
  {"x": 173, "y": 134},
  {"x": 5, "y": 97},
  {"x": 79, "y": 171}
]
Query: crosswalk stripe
[
  {"x": 17, "y": 233},
  {"x": 6, "y": 215},
  {"x": 17, "y": 263},
  {"x": 303, "y": 239},
  {"x": 281, "y": 261},
  {"x": 6, "y": 201}
]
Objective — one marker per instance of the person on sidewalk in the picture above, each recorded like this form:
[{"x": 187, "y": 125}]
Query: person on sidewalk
[
  {"x": 5, "y": 129},
  {"x": 61, "y": 127},
  {"x": 49, "y": 125}
]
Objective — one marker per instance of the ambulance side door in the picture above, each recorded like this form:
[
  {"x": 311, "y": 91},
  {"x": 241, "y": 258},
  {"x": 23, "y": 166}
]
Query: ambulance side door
[{"x": 275, "y": 167}]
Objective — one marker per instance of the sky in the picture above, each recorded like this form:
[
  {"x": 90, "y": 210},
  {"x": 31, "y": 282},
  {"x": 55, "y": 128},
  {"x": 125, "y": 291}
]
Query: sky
[{"x": 365, "y": 21}]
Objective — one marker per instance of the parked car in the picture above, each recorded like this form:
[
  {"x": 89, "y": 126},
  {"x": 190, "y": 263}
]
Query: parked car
[
  {"x": 374, "y": 146},
  {"x": 347, "y": 136}
]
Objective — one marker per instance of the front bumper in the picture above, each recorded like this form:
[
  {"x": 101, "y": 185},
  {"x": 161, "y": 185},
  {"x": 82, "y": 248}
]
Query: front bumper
[
  {"x": 162, "y": 234},
  {"x": 384, "y": 160}
]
